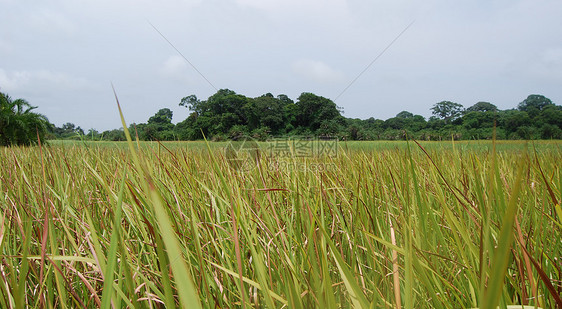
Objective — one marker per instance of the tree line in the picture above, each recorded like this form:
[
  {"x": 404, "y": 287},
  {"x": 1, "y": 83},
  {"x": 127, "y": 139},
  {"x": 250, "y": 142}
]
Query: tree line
[{"x": 229, "y": 115}]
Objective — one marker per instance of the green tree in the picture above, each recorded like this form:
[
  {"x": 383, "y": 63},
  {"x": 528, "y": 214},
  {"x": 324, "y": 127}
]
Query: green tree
[
  {"x": 68, "y": 127},
  {"x": 551, "y": 114},
  {"x": 447, "y": 110},
  {"x": 69, "y": 131},
  {"x": 396, "y": 123},
  {"x": 479, "y": 124},
  {"x": 482, "y": 107},
  {"x": 404, "y": 115},
  {"x": 93, "y": 134},
  {"x": 478, "y": 120},
  {"x": 266, "y": 111},
  {"x": 313, "y": 110},
  {"x": 191, "y": 102},
  {"x": 216, "y": 115},
  {"x": 113, "y": 135},
  {"x": 416, "y": 123},
  {"x": 19, "y": 125},
  {"x": 331, "y": 127},
  {"x": 227, "y": 114},
  {"x": 549, "y": 131},
  {"x": 512, "y": 121},
  {"x": 290, "y": 111},
  {"x": 162, "y": 117},
  {"x": 159, "y": 126},
  {"x": 534, "y": 104}
]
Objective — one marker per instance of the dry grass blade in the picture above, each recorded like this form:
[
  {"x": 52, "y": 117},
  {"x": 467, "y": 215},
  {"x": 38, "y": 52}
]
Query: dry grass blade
[
  {"x": 546, "y": 182},
  {"x": 545, "y": 279},
  {"x": 532, "y": 283},
  {"x": 395, "y": 268}
]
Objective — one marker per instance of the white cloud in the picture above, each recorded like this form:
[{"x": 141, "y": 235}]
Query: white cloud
[
  {"x": 176, "y": 69},
  {"x": 553, "y": 57},
  {"x": 317, "y": 71},
  {"x": 292, "y": 4},
  {"x": 128, "y": 8},
  {"x": 7, "y": 82},
  {"x": 18, "y": 80},
  {"x": 548, "y": 64},
  {"x": 309, "y": 9},
  {"x": 5, "y": 46},
  {"x": 50, "y": 21},
  {"x": 173, "y": 66},
  {"x": 543, "y": 67}
]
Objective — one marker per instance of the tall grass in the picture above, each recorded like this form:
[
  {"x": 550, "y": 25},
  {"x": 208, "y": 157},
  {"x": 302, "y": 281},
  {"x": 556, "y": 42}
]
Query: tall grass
[{"x": 430, "y": 226}]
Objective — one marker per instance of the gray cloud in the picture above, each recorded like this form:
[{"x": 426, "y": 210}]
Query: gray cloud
[
  {"x": 317, "y": 71},
  {"x": 22, "y": 80}
]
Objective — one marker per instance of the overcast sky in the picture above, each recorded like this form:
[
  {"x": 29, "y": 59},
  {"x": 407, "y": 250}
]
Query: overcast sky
[{"x": 63, "y": 55}]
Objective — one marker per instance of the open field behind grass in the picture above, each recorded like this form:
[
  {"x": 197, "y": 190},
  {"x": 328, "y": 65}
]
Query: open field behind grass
[{"x": 380, "y": 225}]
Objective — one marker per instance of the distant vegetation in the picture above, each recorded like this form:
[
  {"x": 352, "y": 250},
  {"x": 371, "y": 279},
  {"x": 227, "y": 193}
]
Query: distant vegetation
[
  {"x": 228, "y": 115},
  {"x": 19, "y": 125}
]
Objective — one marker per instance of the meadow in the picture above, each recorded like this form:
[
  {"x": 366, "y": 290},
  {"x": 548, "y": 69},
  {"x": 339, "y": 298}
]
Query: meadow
[{"x": 474, "y": 224}]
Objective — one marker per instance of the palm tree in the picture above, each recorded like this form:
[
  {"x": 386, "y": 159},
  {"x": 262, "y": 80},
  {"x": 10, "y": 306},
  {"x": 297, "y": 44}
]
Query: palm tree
[{"x": 18, "y": 124}]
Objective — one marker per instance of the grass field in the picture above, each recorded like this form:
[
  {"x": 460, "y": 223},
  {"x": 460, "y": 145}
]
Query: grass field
[{"x": 379, "y": 225}]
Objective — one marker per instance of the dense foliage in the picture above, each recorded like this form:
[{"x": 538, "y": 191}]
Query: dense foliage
[
  {"x": 228, "y": 115},
  {"x": 376, "y": 226},
  {"x": 19, "y": 125}
]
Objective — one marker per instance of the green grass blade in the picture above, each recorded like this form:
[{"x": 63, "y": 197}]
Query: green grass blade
[
  {"x": 112, "y": 255},
  {"x": 500, "y": 259},
  {"x": 356, "y": 294}
]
